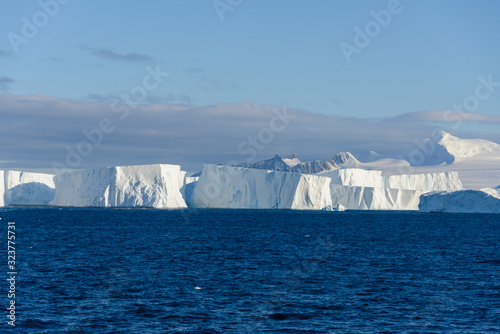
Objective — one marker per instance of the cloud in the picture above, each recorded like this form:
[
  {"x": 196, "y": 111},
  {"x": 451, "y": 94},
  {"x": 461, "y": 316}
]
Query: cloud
[
  {"x": 5, "y": 83},
  {"x": 150, "y": 99},
  {"x": 108, "y": 54},
  {"x": 445, "y": 116},
  {"x": 38, "y": 130}
]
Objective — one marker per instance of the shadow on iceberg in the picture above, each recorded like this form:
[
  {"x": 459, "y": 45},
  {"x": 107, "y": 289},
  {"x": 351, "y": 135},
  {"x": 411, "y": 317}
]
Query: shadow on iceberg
[{"x": 32, "y": 193}]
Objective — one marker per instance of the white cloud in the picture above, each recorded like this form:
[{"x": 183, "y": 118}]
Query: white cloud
[
  {"x": 446, "y": 116},
  {"x": 36, "y": 131}
]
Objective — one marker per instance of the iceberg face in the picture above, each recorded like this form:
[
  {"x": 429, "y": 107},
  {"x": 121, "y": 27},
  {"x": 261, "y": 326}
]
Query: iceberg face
[
  {"x": 463, "y": 201},
  {"x": 374, "y": 198},
  {"x": 154, "y": 186},
  {"x": 30, "y": 194},
  {"x": 241, "y": 188},
  {"x": 447, "y": 181},
  {"x": 354, "y": 177},
  {"x": 359, "y": 189},
  {"x": 2, "y": 188},
  {"x": 188, "y": 188},
  {"x": 24, "y": 188},
  {"x": 352, "y": 189}
]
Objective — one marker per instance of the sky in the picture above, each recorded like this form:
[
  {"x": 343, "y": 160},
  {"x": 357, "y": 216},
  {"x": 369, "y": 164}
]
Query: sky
[{"x": 191, "y": 82}]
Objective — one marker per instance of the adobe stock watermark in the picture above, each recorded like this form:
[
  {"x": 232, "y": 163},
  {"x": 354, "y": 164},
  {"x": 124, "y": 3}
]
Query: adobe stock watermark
[
  {"x": 265, "y": 136},
  {"x": 32, "y": 25},
  {"x": 459, "y": 113},
  {"x": 121, "y": 108},
  {"x": 307, "y": 266},
  {"x": 223, "y": 6},
  {"x": 364, "y": 36},
  {"x": 248, "y": 148}
]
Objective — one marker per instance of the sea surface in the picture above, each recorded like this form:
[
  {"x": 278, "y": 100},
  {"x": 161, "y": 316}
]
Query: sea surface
[{"x": 252, "y": 271}]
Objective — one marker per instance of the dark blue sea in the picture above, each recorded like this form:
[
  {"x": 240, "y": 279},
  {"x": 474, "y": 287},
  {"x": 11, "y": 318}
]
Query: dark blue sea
[{"x": 252, "y": 271}]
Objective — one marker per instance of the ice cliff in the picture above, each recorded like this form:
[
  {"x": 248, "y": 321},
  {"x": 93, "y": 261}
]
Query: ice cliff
[
  {"x": 354, "y": 189},
  {"x": 154, "y": 186},
  {"x": 374, "y": 198},
  {"x": 355, "y": 177},
  {"x": 466, "y": 201},
  {"x": 242, "y": 188},
  {"x": 26, "y": 189},
  {"x": 166, "y": 186}
]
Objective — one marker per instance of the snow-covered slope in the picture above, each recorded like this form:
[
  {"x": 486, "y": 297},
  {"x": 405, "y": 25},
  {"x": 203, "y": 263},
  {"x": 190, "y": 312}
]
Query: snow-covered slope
[
  {"x": 292, "y": 160},
  {"x": 340, "y": 160},
  {"x": 345, "y": 160},
  {"x": 373, "y": 178},
  {"x": 443, "y": 148},
  {"x": 466, "y": 201},
  {"x": 275, "y": 163},
  {"x": 155, "y": 186},
  {"x": 476, "y": 161},
  {"x": 241, "y": 188},
  {"x": 24, "y": 188},
  {"x": 450, "y": 149},
  {"x": 295, "y": 165}
]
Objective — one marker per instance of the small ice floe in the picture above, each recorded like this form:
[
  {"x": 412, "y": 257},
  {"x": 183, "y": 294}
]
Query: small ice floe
[
  {"x": 339, "y": 207},
  {"x": 197, "y": 288},
  {"x": 306, "y": 236}
]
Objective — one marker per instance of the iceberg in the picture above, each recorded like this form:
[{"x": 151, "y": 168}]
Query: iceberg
[
  {"x": 337, "y": 208},
  {"x": 152, "y": 186},
  {"x": 374, "y": 198},
  {"x": 188, "y": 188},
  {"x": 425, "y": 182},
  {"x": 244, "y": 188},
  {"x": 359, "y": 189},
  {"x": 355, "y": 177},
  {"x": 463, "y": 201},
  {"x": 2, "y": 188},
  {"x": 25, "y": 188}
]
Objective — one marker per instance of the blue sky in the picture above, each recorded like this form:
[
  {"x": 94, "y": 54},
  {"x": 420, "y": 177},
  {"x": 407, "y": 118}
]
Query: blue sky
[{"x": 280, "y": 53}]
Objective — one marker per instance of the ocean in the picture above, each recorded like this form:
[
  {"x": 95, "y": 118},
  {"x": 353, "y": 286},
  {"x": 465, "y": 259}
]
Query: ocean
[{"x": 250, "y": 271}]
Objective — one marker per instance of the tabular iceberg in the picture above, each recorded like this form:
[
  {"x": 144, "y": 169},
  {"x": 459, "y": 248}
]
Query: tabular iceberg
[
  {"x": 359, "y": 189},
  {"x": 24, "y": 188},
  {"x": 355, "y": 177},
  {"x": 466, "y": 201},
  {"x": 242, "y": 188},
  {"x": 237, "y": 187},
  {"x": 154, "y": 186}
]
